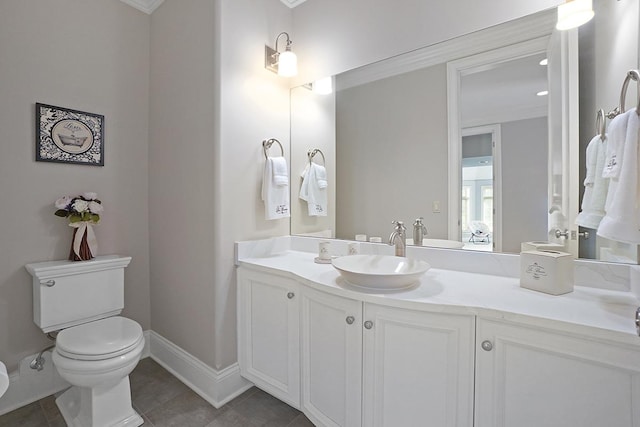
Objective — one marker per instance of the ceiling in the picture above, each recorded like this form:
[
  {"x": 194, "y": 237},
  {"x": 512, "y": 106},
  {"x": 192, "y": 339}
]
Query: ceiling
[
  {"x": 148, "y": 6},
  {"x": 484, "y": 94}
]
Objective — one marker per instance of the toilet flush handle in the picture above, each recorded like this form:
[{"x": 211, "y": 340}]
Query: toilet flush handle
[{"x": 48, "y": 283}]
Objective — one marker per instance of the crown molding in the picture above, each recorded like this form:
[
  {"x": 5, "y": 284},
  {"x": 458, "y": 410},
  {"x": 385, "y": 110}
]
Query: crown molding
[
  {"x": 146, "y": 6},
  {"x": 292, "y": 3}
]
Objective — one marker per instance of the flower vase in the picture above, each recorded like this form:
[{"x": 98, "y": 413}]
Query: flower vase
[{"x": 84, "y": 254}]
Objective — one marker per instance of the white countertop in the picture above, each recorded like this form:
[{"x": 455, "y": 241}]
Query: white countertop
[{"x": 601, "y": 313}]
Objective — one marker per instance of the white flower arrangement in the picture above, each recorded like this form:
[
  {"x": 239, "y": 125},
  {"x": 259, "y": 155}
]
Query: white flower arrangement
[{"x": 83, "y": 208}]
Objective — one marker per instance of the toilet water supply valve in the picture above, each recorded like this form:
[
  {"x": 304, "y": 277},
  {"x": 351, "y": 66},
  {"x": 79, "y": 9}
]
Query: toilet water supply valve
[{"x": 38, "y": 362}]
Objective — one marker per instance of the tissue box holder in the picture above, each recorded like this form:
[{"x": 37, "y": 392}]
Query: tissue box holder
[{"x": 550, "y": 272}]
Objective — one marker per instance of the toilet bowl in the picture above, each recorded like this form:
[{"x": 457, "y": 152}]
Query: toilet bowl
[
  {"x": 95, "y": 349},
  {"x": 96, "y": 358}
]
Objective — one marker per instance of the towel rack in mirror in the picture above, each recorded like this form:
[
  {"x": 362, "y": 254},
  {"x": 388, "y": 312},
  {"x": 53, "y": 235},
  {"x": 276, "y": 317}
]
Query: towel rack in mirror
[
  {"x": 311, "y": 153},
  {"x": 267, "y": 143},
  {"x": 601, "y": 124}
]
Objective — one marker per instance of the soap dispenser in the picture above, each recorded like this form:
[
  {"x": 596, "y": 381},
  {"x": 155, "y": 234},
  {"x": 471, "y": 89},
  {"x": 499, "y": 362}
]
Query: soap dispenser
[{"x": 419, "y": 231}]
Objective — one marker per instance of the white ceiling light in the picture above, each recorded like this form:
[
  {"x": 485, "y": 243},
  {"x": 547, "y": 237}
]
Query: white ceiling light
[
  {"x": 545, "y": 61},
  {"x": 543, "y": 93}
]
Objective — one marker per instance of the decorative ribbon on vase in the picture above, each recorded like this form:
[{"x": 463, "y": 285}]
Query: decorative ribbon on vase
[{"x": 84, "y": 227}]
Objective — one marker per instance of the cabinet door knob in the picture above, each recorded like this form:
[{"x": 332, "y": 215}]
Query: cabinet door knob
[
  {"x": 638, "y": 321},
  {"x": 290, "y": 295},
  {"x": 350, "y": 320},
  {"x": 368, "y": 324},
  {"x": 486, "y": 345},
  {"x": 48, "y": 283}
]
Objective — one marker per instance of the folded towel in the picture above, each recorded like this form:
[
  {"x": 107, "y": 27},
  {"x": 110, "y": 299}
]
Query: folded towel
[
  {"x": 595, "y": 186},
  {"x": 621, "y": 221},
  {"x": 311, "y": 192},
  {"x": 280, "y": 172},
  {"x": 275, "y": 196},
  {"x": 617, "y": 134},
  {"x": 321, "y": 176}
]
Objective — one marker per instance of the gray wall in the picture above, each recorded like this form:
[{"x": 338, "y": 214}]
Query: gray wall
[
  {"x": 182, "y": 171},
  {"x": 524, "y": 183},
  {"x": 87, "y": 55},
  {"x": 212, "y": 104},
  {"x": 395, "y": 121}
]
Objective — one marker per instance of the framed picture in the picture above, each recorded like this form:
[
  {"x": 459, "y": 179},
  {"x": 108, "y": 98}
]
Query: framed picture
[{"x": 69, "y": 136}]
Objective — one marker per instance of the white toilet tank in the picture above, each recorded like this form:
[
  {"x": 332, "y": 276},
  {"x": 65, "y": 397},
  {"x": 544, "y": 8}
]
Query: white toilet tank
[{"x": 69, "y": 293}]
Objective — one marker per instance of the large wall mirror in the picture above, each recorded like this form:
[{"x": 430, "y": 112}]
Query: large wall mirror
[{"x": 484, "y": 136}]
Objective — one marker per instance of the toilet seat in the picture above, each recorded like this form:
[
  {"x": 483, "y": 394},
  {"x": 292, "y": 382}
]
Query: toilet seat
[{"x": 100, "y": 339}]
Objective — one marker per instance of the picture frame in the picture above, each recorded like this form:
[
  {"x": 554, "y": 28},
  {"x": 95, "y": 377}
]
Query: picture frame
[{"x": 64, "y": 135}]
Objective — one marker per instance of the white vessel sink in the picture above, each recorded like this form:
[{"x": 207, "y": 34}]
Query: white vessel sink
[
  {"x": 439, "y": 243},
  {"x": 380, "y": 272}
]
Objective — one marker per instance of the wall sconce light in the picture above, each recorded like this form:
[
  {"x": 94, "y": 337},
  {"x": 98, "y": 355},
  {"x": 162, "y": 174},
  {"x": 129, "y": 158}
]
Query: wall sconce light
[
  {"x": 284, "y": 63},
  {"x": 574, "y": 13}
]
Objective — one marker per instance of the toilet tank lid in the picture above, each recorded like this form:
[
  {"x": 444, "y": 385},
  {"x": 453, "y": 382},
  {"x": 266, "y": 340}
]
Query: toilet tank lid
[
  {"x": 52, "y": 269},
  {"x": 106, "y": 337}
]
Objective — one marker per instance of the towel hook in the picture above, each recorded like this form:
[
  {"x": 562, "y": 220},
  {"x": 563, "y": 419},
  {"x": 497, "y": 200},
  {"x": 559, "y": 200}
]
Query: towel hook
[
  {"x": 313, "y": 152},
  {"x": 601, "y": 123},
  {"x": 267, "y": 143},
  {"x": 631, "y": 75}
]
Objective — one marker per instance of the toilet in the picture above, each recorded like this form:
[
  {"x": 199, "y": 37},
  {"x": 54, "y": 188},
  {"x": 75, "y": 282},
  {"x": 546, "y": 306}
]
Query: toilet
[{"x": 96, "y": 349}]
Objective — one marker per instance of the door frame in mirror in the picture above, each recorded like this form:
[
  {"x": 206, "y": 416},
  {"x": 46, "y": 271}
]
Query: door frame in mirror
[{"x": 455, "y": 71}]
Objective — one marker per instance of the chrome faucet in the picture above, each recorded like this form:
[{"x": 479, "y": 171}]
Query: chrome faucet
[
  {"x": 399, "y": 238},
  {"x": 419, "y": 231}
]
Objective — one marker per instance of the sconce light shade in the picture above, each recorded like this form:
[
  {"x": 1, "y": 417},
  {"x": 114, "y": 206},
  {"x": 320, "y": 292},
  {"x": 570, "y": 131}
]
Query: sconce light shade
[
  {"x": 574, "y": 13},
  {"x": 287, "y": 64},
  {"x": 284, "y": 63}
]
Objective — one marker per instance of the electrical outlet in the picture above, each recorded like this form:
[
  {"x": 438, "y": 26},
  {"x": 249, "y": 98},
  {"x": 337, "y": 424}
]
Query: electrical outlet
[{"x": 436, "y": 206}]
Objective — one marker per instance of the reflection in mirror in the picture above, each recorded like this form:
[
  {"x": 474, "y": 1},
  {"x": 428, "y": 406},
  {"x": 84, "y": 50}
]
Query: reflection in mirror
[{"x": 385, "y": 136}]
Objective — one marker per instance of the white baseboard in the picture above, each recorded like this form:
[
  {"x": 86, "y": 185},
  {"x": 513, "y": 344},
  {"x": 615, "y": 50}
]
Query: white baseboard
[{"x": 217, "y": 387}]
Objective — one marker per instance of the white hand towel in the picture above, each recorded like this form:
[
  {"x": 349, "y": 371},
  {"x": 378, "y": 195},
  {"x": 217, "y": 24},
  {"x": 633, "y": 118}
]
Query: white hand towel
[
  {"x": 311, "y": 192},
  {"x": 617, "y": 134},
  {"x": 321, "y": 176},
  {"x": 275, "y": 197},
  {"x": 304, "y": 186},
  {"x": 595, "y": 186},
  {"x": 621, "y": 222},
  {"x": 279, "y": 169}
]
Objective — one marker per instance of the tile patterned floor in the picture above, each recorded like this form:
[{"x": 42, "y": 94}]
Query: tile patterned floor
[{"x": 163, "y": 401}]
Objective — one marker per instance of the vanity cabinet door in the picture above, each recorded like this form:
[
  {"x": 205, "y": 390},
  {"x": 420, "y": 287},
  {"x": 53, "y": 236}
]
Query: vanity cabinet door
[
  {"x": 331, "y": 359},
  {"x": 268, "y": 334},
  {"x": 532, "y": 377},
  {"x": 418, "y": 368}
]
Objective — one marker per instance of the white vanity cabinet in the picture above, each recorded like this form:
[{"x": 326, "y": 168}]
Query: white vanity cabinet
[
  {"x": 529, "y": 377},
  {"x": 268, "y": 333},
  {"x": 353, "y": 362},
  {"x": 331, "y": 358},
  {"x": 418, "y": 368}
]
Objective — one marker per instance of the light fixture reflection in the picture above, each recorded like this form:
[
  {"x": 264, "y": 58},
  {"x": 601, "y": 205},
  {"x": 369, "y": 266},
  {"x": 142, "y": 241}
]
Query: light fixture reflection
[
  {"x": 574, "y": 13},
  {"x": 323, "y": 86},
  {"x": 545, "y": 61},
  {"x": 543, "y": 93}
]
